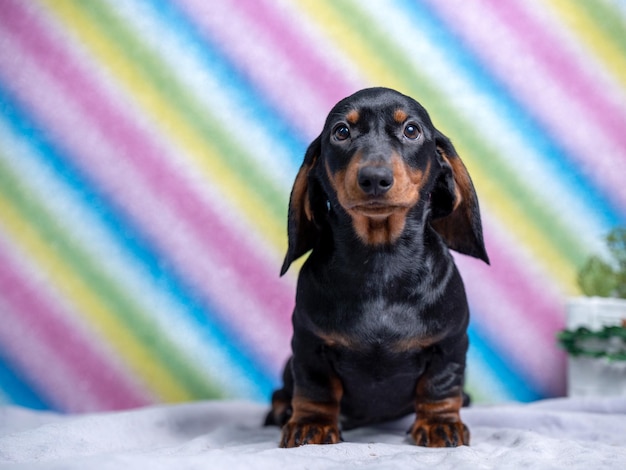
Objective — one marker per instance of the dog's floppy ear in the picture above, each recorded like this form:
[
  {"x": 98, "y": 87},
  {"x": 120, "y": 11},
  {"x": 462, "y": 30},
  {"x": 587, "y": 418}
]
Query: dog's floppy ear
[
  {"x": 454, "y": 205},
  {"x": 301, "y": 228}
]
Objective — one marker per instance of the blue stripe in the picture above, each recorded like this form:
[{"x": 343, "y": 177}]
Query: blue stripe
[
  {"x": 244, "y": 93},
  {"x": 511, "y": 110},
  {"x": 239, "y": 88},
  {"x": 17, "y": 389},
  {"x": 514, "y": 383},
  {"x": 136, "y": 245}
]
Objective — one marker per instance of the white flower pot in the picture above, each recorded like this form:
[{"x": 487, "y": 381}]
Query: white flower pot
[{"x": 588, "y": 376}]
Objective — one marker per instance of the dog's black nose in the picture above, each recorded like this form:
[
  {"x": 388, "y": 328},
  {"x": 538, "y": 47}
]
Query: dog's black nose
[{"x": 375, "y": 180}]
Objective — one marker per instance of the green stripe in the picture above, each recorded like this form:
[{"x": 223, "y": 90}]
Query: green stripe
[
  {"x": 118, "y": 303},
  {"x": 476, "y": 152},
  {"x": 609, "y": 21},
  {"x": 157, "y": 74}
]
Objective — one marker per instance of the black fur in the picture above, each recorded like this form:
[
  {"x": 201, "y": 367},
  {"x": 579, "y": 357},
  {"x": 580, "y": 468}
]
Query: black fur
[{"x": 381, "y": 313}]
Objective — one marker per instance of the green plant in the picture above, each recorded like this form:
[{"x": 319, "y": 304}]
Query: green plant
[
  {"x": 602, "y": 278},
  {"x": 609, "y": 343}
]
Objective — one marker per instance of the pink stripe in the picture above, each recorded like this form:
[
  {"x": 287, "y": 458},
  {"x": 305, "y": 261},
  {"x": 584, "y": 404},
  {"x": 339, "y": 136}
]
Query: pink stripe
[
  {"x": 570, "y": 118},
  {"x": 164, "y": 183},
  {"x": 47, "y": 324},
  {"x": 39, "y": 366},
  {"x": 158, "y": 174},
  {"x": 304, "y": 56},
  {"x": 573, "y": 77},
  {"x": 243, "y": 266},
  {"x": 86, "y": 85},
  {"x": 537, "y": 310},
  {"x": 518, "y": 307},
  {"x": 288, "y": 69}
]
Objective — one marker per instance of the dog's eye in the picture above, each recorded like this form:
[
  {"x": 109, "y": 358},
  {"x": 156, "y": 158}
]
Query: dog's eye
[
  {"x": 411, "y": 131},
  {"x": 342, "y": 132}
]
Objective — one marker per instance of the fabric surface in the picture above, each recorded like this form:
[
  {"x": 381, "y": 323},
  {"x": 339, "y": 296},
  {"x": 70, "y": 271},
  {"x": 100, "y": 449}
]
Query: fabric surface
[{"x": 563, "y": 433}]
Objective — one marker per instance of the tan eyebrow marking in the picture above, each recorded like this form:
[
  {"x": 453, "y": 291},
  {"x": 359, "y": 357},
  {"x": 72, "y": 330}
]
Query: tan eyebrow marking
[
  {"x": 400, "y": 116},
  {"x": 353, "y": 116}
]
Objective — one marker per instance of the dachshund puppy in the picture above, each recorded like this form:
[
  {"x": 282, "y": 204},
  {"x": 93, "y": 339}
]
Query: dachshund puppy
[{"x": 381, "y": 314}]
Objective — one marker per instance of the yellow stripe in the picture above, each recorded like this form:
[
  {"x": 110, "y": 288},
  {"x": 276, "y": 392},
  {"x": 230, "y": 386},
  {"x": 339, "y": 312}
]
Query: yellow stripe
[
  {"x": 194, "y": 146},
  {"x": 201, "y": 153},
  {"x": 86, "y": 301},
  {"x": 527, "y": 235},
  {"x": 373, "y": 66},
  {"x": 601, "y": 44},
  {"x": 381, "y": 74}
]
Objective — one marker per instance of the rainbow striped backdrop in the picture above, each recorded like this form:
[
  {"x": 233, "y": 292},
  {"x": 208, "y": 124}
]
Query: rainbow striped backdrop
[{"x": 147, "y": 150}]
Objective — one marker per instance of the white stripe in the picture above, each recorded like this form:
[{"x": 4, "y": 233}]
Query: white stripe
[
  {"x": 201, "y": 263},
  {"x": 91, "y": 237},
  {"x": 278, "y": 78},
  {"x": 481, "y": 111},
  {"x": 620, "y": 6},
  {"x": 199, "y": 180},
  {"x": 547, "y": 16},
  {"x": 480, "y": 377},
  {"x": 561, "y": 113},
  {"x": 40, "y": 365},
  {"x": 187, "y": 67}
]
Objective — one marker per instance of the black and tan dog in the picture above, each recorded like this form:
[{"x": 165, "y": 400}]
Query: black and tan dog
[{"x": 381, "y": 313}]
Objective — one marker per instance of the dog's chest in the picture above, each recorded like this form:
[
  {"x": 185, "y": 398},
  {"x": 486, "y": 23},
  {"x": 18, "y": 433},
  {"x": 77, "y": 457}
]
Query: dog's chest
[
  {"x": 380, "y": 347},
  {"x": 379, "y": 361},
  {"x": 373, "y": 306},
  {"x": 380, "y": 322},
  {"x": 378, "y": 327}
]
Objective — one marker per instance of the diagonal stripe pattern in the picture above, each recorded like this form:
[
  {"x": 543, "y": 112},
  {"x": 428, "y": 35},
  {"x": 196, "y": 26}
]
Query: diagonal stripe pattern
[{"x": 147, "y": 151}]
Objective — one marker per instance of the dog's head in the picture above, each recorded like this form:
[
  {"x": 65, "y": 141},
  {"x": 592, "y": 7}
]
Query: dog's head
[{"x": 377, "y": 158}]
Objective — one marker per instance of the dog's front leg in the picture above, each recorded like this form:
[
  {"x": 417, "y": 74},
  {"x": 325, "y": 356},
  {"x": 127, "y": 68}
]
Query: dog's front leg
[
  {"x": 315, "y": 403},
  {"x": 439, "y": 398}
]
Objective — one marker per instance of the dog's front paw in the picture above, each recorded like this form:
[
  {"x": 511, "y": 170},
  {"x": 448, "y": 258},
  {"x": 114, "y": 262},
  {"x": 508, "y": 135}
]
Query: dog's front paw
[
  {"x": 440, "y": 433},
  {"x": 297, "y": 434}
]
